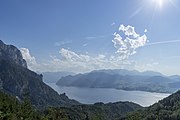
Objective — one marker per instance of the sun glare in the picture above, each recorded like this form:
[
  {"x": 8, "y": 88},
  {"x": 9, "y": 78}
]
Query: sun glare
[{"x": 159, "y": 3}]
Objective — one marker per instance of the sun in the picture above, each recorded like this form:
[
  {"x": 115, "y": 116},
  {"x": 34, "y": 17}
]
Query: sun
[
  {"x": 155, "y": 6},
  {"x": 158, "y": 3}
]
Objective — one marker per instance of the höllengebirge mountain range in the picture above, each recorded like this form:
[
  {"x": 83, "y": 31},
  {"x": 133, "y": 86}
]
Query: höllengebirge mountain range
[{"x": 123, "y": 79}]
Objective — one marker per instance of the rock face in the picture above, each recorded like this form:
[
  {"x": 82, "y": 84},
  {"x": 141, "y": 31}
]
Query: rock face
[
  {"x": 1, "y": 84},
  {"x": 11, "y": 53},
  {"x": 16, "y": 79}
]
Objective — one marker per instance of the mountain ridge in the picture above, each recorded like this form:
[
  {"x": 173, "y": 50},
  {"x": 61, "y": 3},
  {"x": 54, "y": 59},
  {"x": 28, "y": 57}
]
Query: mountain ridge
[
  {"x": 16, "y": 79},
  {"x": 122, "y": 79},
  {"x": 10, "y": 52},
  {"x": 53, "y": 77}
]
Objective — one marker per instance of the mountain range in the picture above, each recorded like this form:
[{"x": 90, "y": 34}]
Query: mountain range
[
  {"x": 123, "y": 79},
  {"x": 53, "y": 77}
]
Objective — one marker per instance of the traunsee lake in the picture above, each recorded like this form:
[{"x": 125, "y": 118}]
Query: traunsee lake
[{"x": 93, "y": 95}]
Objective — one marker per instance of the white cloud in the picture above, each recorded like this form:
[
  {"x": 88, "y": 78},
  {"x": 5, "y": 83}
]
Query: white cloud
[
  {"x": 127, "y": 46},
  {"x": 80, "y": 63},
  {"x": 84, "y": 63},
  {"x": 68, "y": 55},
  {"x": 145, "y": 30},
  {"x": 128, "y": 31},
  {"x": 31, "y": 61},
  {"x": 72, "y": 61}
]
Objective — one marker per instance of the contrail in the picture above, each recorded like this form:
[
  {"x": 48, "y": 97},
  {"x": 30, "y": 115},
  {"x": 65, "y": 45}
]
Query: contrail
[{"x": 162, "y": 42}]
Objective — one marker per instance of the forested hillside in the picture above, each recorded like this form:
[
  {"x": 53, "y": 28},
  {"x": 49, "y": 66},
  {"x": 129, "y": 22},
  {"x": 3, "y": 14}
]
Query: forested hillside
[{"x": 166, "y": 109}]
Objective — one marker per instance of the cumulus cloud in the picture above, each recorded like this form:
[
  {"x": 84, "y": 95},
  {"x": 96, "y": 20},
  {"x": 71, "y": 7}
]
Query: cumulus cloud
[
  {"x": 72, "y": 61},
  {"x": 127, "y": 46},
  {"x": 68, "y": 55},
  {"x": 31, "y": 61}
]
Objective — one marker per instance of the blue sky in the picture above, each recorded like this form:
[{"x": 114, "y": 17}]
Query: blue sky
[{"x": 69, "y": 35}]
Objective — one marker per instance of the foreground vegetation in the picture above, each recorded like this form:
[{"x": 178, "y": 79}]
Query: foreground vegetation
[
  {"x": 13, "y": 109},
  {"x": 167, "y": 109}
]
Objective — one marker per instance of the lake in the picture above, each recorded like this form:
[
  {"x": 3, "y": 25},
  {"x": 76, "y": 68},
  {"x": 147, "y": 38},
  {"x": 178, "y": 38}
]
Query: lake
[{"x": 93, "y": 95}]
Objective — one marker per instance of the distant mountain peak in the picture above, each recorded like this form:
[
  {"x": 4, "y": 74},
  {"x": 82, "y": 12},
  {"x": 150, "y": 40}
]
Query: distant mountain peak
[
  {"x": 11, "y": 53},
  {"x": 128, "y": 72}
]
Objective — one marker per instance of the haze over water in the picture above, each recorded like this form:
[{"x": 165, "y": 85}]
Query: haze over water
[{"x": 93, "y": 95}]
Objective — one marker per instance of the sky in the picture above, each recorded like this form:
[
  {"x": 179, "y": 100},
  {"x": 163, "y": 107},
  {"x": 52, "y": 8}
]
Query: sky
[{"x": 83, "y": 35}]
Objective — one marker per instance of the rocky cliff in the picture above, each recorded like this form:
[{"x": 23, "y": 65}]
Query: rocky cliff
[
  {"x": 16, "y": 79},
  {"x": 10, "y": 52}
]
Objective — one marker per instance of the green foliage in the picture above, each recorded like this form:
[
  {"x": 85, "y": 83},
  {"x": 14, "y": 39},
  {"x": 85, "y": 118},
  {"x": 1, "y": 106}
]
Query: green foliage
[
  {"x": 134, "y": 116},
  {"x": 54, "y": 114},
  {"x": 12, "y": 109},
  {"x": 166, "y": 109},
  {"x": 98, "y": 111}
]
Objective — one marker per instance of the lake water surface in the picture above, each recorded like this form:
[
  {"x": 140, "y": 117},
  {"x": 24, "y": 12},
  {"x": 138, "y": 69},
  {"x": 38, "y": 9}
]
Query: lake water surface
[{"x": 92, "y": 95}]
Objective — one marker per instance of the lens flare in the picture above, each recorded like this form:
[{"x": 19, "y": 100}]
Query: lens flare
[{"x": 159, "y": 3}]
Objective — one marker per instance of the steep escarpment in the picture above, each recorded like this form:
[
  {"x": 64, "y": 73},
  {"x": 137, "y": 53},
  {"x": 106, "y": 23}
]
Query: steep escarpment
[
  {"x": 16, "y": 79},
  {"x": 11, "y": 53}
]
